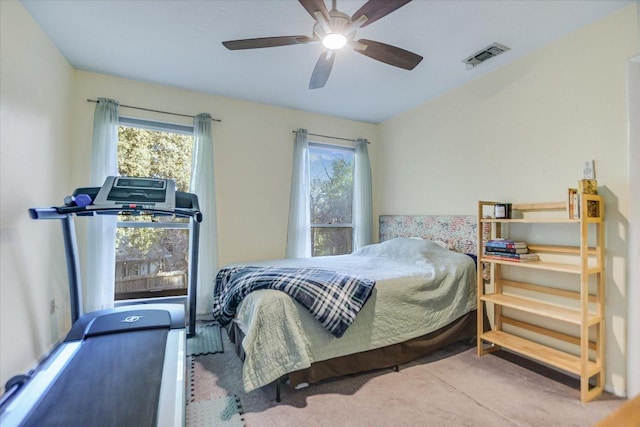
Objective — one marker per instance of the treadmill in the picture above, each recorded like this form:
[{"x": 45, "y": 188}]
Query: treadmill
[{"x": 124, "y": 366}]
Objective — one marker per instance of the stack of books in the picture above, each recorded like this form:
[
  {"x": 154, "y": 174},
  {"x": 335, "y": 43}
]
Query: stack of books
[{"x": 509, "y": 250}]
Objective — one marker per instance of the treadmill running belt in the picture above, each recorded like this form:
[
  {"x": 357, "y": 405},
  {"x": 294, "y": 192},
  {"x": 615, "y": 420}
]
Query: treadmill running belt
[{"x": 113, "y": 380}]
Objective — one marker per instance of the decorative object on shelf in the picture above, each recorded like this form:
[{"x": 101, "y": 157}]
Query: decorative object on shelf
[
  {"x": 588, "y": 186},
  {"x": 532, "y": 318},
  {"x": 585, "y": 186},
  {"x": 502, "y": 210},
  {"x": 588, "y": 170}
]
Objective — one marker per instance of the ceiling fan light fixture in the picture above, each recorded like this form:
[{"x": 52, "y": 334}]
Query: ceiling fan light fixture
[{"x": 334, "y": 41}]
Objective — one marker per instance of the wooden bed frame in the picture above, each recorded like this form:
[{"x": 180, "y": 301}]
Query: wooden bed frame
[{"x": 459, "y": 232}]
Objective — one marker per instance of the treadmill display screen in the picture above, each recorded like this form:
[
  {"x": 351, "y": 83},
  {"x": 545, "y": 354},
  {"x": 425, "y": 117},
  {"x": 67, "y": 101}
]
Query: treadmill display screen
[
  {"x": 158, "y": 184},
  {"x": 124, "y": 190}
]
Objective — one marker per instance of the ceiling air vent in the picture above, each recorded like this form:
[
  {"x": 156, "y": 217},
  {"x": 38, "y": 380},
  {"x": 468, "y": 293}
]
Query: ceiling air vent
[{"x": 490, "y": 51}]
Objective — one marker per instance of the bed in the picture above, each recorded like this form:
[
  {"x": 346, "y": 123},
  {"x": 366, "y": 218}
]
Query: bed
[{"x": 424, "y": 298}]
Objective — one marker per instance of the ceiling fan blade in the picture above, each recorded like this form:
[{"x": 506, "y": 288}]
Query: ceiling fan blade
[
  {"x": 266, "y": 42},
  {"x": 388, "y": 54},
  {"x": 376, "y": 9},
  {"x": 322, "y": 70},
  {"x": 313, "y": 6}
]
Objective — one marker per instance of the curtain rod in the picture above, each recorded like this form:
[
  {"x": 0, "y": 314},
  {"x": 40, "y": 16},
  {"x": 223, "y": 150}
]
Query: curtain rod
[
  {"x": 155, "y": 111},
  {"x": 332, "y": 137}
]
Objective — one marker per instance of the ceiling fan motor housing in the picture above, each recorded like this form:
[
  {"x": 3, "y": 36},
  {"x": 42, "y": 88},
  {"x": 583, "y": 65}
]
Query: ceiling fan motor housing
[{"x": 339, "y": 23}]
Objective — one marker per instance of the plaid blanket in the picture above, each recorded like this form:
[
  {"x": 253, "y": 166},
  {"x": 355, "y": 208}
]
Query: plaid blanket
[{"x": 333, "y": 298}]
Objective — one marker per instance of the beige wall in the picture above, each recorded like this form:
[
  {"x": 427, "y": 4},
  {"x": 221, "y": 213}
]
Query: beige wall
[
  {"x": 633, "y": 319},
  {"x": 520, "y": 134},
  {"x": 35, "y": 84},
  {"x": 253, "y": 153}
]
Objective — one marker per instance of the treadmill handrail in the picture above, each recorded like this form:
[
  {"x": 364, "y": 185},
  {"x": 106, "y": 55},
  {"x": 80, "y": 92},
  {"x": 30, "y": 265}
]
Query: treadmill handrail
[
  {"x": 71, "y": 251},
  {"x": 46, "y": 213},
  {"x": 188, "y": 208},
  {"x": 133, "y": 208}
]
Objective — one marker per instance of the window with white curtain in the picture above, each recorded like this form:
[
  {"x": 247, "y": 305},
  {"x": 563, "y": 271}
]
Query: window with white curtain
[
  {"x": 331, "y": 169},
  {"x": 152, "y": 254}
]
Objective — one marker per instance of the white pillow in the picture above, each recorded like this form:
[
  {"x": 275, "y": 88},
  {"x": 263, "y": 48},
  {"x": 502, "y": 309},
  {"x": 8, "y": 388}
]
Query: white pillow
[{"x": 400, "y": 248}]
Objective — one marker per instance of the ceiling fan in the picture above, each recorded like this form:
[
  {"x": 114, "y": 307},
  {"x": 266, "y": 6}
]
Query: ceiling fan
[{"x": 336, "y": 30}]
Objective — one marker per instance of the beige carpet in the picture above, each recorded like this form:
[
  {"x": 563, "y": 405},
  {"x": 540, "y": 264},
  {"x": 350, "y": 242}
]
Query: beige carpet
[{"x": 450, "y": 388}]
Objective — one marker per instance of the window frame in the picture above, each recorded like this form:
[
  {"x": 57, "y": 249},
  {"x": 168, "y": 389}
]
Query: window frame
[
  {"x": 142, "y": 295},
  {"x": 351, "y": 225}
]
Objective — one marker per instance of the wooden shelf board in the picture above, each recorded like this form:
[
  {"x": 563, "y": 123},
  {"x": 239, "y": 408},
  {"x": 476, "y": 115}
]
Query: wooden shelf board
[
  {"x": 542, "y": 353},
  {"x": 544, "y": 206},
  {"x": 549, "y": 290},
  {"x": 540, "y": 265},
  {"x": 533, "y": 220},
  {"x": 571, "y": 339},
  {"x": 574, "y": 250},
  {"x": 594, "y": 270},
  {"x": 528, "y": 305}
]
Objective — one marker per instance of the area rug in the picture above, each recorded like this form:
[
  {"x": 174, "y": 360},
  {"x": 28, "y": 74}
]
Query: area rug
[
  {"x": 207, "y": 340},
  {"x": 221, "y": 411},
  {"x": 203, "y": 409}
]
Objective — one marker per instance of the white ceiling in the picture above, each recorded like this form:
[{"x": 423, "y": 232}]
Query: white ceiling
[{"x": 178, "y": 43}]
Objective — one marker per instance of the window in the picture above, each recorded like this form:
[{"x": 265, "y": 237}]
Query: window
[
  {"x": 331, "y": 199},
  {"x": 152, "y": 254}
]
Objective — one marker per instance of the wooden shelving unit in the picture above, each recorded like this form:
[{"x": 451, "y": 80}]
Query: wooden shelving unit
[{"x": 583, "y": 356}]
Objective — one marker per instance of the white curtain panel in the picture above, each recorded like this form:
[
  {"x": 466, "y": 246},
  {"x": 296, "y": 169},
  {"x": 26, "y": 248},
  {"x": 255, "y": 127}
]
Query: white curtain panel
[
  {"x": 101, "y": 229},
  {"x": 203, "y": 185},
  {"x": 362, "y": 210},
  {"x": 299, "y": 229}
]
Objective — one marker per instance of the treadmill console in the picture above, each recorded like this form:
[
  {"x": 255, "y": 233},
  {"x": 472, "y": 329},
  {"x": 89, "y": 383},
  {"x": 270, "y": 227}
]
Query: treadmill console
[{"x": 118, "y": 191}]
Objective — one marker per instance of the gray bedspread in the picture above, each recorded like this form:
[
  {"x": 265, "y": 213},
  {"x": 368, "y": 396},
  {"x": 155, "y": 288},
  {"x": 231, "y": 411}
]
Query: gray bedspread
[{"x": 420, "y": 287}]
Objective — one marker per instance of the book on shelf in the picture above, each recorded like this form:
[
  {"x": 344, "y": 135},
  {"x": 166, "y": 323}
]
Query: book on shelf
[
  {"x": 506, "y": 243},
  {"x": 573, "y": 203},
  {"x": 500, "y": 258},
  {"x": 511, "y": 257},
  {"x": 524, "y": 250}
]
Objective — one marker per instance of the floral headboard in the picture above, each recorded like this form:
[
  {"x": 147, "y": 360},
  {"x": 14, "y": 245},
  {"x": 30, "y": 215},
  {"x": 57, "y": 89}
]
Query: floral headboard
[{"x": 459, "y": 232}]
